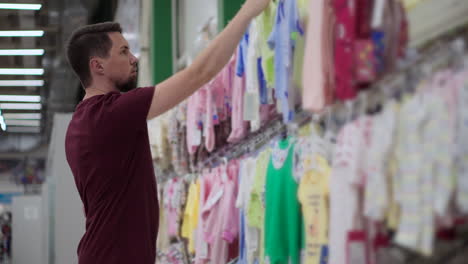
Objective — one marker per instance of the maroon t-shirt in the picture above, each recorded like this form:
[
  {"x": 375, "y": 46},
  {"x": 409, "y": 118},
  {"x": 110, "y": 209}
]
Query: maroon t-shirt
[{"x": 108, "y": 150}]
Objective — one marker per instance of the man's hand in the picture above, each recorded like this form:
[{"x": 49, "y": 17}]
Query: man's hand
[
  {"x": 205, "y": 67},
  {"x": 255, "y": 7}
]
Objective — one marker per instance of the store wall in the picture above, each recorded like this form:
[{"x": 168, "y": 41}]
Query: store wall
[
  {"x": 9, "y": 187},
  {"x": 197, "y": 13},
  {"x": 27, "y": 230},
  {"x": 66, "y": 221}
]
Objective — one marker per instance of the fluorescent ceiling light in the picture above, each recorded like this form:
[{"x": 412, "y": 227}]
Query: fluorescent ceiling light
[
  {"x": 2, "y": 122},
  {"x": 29, "y": 116},
  {"x": 21, "y": 52},
  {"x": 21, "y": 33},
  {"x": 21, "y": 83},
  {"x": 30, "y": 123},
  {"x": 20, "y": 6},
  {"x": 23, "y": 129},
  {"x": 17, "y": 71},
  {"x": 21, "y": 98},
  {"x": 9, "y": 106}
]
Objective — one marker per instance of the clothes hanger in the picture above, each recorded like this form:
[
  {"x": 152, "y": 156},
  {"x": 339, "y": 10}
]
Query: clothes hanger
[
  {"x": 224, "y": 174},
  {"x": 361, "y": 104}
]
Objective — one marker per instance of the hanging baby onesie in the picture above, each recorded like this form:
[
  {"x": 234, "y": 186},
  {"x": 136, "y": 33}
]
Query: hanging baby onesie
[
  {"x": 177, "y": 138},
  {"x": 239, "y": 126},
  {"x": 190, "y": 221},
  {"x": 174, "y": 199},
  {"x": 201, "y": 246},
  {"x": 265, "y": 24},
  {"x": 159, "y": 141},
  {"x": 242, "y": 259},
  {"x": 220, "y": 216},
  {"x": 251, "y": 234},
  {"x": 344, "y": 48},
  {"x": 163, "y": 238},
  {"x": 390, "y": 33},
  {"x": 256, "y": 205},
  {"x": 416, "y": 227},
  {"x": 222, "y": 90},
  {"x": 283, "y": 221},
  {"x": 208, "y": 122},
  {"x": 346, "y": 182},
  {"x": 287, "y": 22},
  {"x": 313, "y": 194},
  {"x": 194, "y": 131},
  {"x": 441, "y": 140},
  {"x": 318, "y": 79},
  {"x": 252, "y": 93},
  {"x": 377, "y": 193},
  {"x": 299, "y": 49}
]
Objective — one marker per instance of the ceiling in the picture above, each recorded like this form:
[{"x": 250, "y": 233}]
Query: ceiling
[{"x": 61, "y": 90}]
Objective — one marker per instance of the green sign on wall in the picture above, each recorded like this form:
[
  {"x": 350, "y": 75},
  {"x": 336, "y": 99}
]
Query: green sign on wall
[{"x": 161, "y": 44}]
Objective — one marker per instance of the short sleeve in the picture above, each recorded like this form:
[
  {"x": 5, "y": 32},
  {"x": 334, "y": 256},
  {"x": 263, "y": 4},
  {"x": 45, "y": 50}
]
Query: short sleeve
[
  {"x": 131, "y": 108},
  {"x": 272, "y": 38}
]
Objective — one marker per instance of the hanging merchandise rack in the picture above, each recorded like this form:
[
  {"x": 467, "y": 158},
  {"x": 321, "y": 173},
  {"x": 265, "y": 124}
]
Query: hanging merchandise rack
[
  {"x": 334, "y": 117},
  {"x": 446, "y": 52}
]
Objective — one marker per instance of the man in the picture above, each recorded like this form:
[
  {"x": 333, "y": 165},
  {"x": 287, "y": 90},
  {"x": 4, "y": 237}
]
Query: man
[{"x": 107, "y": 143}]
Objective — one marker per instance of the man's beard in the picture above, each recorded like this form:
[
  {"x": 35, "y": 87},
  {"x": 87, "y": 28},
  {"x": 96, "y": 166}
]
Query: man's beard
[{"x": 129, "y": 85}]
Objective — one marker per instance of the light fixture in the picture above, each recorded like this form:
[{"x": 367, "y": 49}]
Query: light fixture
[
  {"x": 21, "y": 52},
  {"x": 2, "y": 123},
  {"x": 21, "y": 83},
  {"x": 25, "y": 71},
  {"x": 21, "y": 33},
  {"x": 18, "y": 116},
  {"x": 13, "y": 106},
  {"x": 20, "y": 6},
  {"x": 23, "y": 129},
  {"x": 21, "y": 98},
  {"x": 30, "y": 123}
]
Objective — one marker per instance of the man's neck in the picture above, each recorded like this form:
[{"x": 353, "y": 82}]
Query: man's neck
[{"x": 98, "y": 89}]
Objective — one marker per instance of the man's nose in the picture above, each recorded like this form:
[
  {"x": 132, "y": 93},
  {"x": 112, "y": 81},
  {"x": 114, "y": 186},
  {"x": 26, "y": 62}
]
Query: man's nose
[{"x": 134, "y": 60}]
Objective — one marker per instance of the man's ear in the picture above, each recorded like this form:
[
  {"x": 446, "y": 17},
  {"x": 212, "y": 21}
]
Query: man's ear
[{"x": 96, "y": 66}]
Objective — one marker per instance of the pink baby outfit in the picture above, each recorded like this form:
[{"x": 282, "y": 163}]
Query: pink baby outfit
[
  {"x": 201, "y": 246},
  {"x": 318, "y": 78},
  {"x": 196, "y": 109},
  {"x": 239, "y": 126},
  {"x": 218, "y": 102},
  {"x": 174, "y": 199},
  {"x": 220, "y": 215}
]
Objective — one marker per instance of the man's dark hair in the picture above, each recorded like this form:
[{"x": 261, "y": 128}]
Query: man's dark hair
[{"x": 89, "y": 41}]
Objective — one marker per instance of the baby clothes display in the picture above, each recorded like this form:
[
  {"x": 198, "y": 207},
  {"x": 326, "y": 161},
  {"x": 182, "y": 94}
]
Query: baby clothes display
[
  {"x": 305, "y": 149},
  {"x": 296, "y": 55}
]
